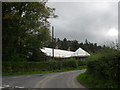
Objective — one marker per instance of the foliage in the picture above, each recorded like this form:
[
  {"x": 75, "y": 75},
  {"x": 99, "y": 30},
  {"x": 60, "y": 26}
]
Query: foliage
[
  {"x": 92, "y": 81},
  {"x": 39, "y": 66},
  {"x": 82, "y": 62},
  {"x": 25, "y": 28},
  {"x": 47, "y": 71},
  {"x": 105, "y": 64},
  {"x": 70, "y": 63},
  {"x": 74, "y": 45}
]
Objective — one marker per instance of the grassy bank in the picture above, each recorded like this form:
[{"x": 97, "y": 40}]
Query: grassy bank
[
  {"x": 92, "y": 81},
  {"x": 42, "y": 72}
]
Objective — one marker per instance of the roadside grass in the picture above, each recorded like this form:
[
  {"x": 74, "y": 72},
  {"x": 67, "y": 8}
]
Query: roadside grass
[
  {"x": 46, "y": 71},
  {"x": 92, "y": 81}
]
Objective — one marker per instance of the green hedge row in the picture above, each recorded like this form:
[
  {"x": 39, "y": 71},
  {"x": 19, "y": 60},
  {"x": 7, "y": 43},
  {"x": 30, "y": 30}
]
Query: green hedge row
[
  {"x": 105, "y": 64},
  {"x": 25, "y": 66}
]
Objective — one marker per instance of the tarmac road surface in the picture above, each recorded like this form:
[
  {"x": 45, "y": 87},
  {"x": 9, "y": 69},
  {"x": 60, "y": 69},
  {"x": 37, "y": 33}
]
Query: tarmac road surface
[{"x": 51, "y": 80}]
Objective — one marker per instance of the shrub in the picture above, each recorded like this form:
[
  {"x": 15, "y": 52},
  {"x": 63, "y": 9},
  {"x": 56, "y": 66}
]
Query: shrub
[
  {"x": 105, "y": 64},
  {"x": 53, "y": 65},
  {"x": 70, "y": 63},
  {"x": 24, "y": 66},
  {"x": 15, "y": 64},
  {"x": 82, "y": 62}
]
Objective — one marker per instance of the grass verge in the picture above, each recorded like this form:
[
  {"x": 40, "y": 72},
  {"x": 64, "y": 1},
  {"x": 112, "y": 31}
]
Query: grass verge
[
  {"x": 41, "y": 72},
  {"x": 92, "y": 82}
]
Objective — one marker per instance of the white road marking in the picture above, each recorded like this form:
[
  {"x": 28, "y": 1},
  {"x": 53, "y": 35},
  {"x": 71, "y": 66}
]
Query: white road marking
[
  {"x": 8, "y": 86},
  {"x": 1, "y": 87},
  {"x": 18, "y": 87}
]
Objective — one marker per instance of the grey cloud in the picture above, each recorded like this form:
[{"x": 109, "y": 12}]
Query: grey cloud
[{"x": 80, "y": 21}]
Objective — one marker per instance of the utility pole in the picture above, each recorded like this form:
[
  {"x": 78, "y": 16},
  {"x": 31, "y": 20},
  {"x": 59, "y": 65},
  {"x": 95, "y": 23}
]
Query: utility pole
[{"x": 52, "y": 42}]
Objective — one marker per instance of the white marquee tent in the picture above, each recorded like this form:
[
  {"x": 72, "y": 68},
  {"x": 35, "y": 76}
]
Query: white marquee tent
[{"x": 65, "y": 54}]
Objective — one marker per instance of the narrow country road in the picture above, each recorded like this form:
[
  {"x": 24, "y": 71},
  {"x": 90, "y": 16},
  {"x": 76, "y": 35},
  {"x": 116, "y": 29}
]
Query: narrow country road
[{"x": 51, "y": 80}]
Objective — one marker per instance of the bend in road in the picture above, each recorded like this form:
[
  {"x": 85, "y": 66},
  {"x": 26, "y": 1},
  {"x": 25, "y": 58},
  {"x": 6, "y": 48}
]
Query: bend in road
[{"x": 51, "y": 80}]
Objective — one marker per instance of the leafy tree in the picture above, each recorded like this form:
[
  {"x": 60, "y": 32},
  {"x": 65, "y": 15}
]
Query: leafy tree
[
  {"x": 75, "y": 45},
  {"x": 25, "y": 27},
  {"x": 64, "y": 44}
]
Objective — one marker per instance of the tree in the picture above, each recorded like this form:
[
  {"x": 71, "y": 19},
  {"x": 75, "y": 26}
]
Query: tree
[
  {"x": 75, "y": 45},
  {"x": 64, "y": 44},
  {"x": 25, "y": 27}
]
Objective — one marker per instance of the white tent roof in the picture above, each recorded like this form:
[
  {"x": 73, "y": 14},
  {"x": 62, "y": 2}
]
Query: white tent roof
[
  {"x": 63, "y": 53},
  {"x": 81, "y": 52}
]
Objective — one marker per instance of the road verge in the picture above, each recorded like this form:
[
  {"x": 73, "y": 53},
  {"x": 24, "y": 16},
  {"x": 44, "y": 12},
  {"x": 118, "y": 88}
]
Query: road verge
[{"x": 92, "y": 81}]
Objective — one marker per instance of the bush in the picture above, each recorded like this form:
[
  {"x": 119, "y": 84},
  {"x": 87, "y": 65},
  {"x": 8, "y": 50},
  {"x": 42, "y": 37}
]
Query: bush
[
  {"x": 53, "y": 65},
  {"x": 20, "y": 64},
  {"x": 105, "y": 64},
  {"x": 15, "y": 64},
  {"x": 24, "y": 66},
  {"x": 70, "y": 63},
  {"x": 82, "y": 62},
  {"x": 93, "y": 81}
]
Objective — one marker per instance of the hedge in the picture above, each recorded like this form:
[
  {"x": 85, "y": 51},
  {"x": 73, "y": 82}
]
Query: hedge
[
  {"x": 40, "y": 66},
  {"x": 105, "y": 64}
]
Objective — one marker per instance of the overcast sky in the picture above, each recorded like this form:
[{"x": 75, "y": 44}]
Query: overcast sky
[{"x": 95, "y": 21}]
